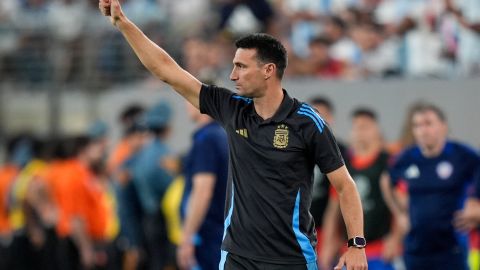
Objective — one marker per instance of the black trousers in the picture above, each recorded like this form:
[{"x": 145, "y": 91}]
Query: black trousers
[{"x": 235, "y": 262}]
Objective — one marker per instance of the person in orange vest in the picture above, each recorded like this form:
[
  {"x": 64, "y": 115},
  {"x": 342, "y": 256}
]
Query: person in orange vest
[
  {"x": 79, "y": 196},
  {"x": 33, "y": 214},
  {"x": 8, "y": 171}
]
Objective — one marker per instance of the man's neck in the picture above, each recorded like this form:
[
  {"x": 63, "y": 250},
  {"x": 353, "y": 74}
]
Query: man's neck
[
  {"x": 268, "y": 105},
  {"x": 433, "y": 151},
  {"x": 82, "y": 159},
  {"x": 365, "y": 150},
  {"x": 203, "y": 120}
]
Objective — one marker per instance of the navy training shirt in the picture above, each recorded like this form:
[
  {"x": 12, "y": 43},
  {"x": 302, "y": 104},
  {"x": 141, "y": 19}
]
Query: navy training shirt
[
  {"x": 437, "y": 187},
  {"x": 209, "y": 154}
]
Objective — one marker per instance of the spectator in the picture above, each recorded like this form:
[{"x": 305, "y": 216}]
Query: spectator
[
  {"x": 378, "y": 57},
  {"x": 67, "y": 19},
  {"x": 325, "y": 67},
  {"x": 342, "y": 47},
  {"x": 9, "y": 39},
  {"x": 319, "y": 63},
  {"x": 31, "y": 58},
  {"x": 305, "y": 24},
  {"x": 418, "y": 23},
  {"x": 468, "y": 16},
  {"x": 261, "y": 9}
]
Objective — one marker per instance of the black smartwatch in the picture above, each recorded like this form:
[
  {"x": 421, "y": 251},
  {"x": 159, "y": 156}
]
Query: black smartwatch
[{"x": 357, "y": 242}]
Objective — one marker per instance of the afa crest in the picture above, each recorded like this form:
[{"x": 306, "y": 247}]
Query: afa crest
[{"x": 280, "y": 140}]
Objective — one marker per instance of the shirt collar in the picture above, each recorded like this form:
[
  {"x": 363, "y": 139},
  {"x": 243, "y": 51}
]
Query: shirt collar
[{"x": 282, "y": 112}]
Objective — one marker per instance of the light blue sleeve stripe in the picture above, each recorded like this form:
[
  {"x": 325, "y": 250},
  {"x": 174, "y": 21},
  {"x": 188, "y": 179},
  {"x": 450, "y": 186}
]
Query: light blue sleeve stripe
[
  {"x": 303, "y": 241},
  {"x": 312, "y": 266},
  {"x": 223, "y": 259},
  {"x": 229, "y": 216},
  {"x": 305, "y": 106},
  {"x": 319, "y": 119},
  {"x": 247, "y": 100},
  {"x": 313, "y": 118},
  {"x": 223, "y": 254}
]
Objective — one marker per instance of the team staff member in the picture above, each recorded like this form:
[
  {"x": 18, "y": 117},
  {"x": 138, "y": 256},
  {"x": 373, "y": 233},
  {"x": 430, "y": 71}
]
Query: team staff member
[
  {"x": 206, "y": 173},
  {"x": 321, "y": 185},
  {"x": 367, "y": 162},
  {"x": 275, "y": 141},
  {"x": 437, "y": 173}
]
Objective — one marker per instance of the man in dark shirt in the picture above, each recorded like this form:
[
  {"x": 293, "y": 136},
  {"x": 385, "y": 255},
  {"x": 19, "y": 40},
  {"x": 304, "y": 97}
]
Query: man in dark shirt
[
  {"x": 321, "y": 185},
  {"x": 442, "y": 183},
  {"x": 367, "y": 162},
  {"x": 206, "y": 173},
  {"x": 274, "y": 141}
]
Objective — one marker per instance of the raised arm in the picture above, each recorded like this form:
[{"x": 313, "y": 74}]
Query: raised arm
[{"x": 154, "y": 58}]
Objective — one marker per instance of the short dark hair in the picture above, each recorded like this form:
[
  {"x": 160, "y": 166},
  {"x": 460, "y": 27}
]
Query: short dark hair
[
  {"x": 338, "y": 22},
  {"x": 322, "y": 101},
  {"x": 421, "y": 107},
  {"x": 364, "y": 112},
  {"x": 130, "y": 113},
  {"x": 78, "y": 144},
  {"x": 321, "y": 40},
  {"x": 269, "y": 50}
]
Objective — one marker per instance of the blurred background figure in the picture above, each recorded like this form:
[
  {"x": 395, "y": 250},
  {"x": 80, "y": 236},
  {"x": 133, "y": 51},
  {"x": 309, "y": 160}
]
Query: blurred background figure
[
  {"x": 467, "y": 15},
  {"x": 32, "y": 214},
  {"x": 321, "y": 185},
  {"x": 367, "y": 162},
  {"x": 319, "y": 62},
  {"x": 206, "y": 171},
  {"x": 438, "y": 175},
  {"x": 149, "y": 171},
  {"x": 261, "y": 10},
  {"x": 129, "y": 209}
]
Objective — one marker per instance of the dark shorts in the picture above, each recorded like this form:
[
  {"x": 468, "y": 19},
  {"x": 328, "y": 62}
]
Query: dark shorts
[{"x": 231, "y": 261}]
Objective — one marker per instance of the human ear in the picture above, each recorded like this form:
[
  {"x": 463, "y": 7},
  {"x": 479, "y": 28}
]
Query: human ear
[{"x": 269, "y": 70}]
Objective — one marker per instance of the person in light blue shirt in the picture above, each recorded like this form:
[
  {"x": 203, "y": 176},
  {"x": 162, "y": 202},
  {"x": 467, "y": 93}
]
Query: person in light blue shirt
[{"x": 151, "y": 179}]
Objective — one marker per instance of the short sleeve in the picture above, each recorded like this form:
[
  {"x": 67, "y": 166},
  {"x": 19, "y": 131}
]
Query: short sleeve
[
  {"x": 476, "y": 182},
  {"x": 204, "y": 156},
  {"x": 217, "y": 102},
  {"x": 325, "y": 149},
  {"x": 396, "y": 169},
  {"x": 475, "y": 174}
]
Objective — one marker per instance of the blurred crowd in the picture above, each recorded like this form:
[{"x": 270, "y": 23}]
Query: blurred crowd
[
  {"x": 78, "y": 203},
  {"x": 86, "y": 202},
  {"x": 69, "y": 41}
]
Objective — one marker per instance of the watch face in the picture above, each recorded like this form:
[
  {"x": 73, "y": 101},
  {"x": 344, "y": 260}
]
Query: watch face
[{"x": 358, "y": 241}]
